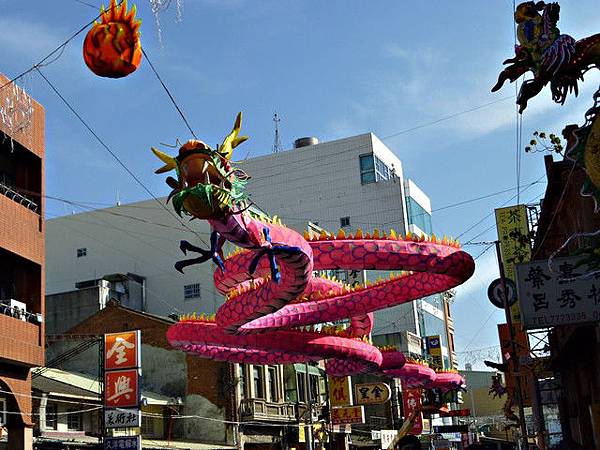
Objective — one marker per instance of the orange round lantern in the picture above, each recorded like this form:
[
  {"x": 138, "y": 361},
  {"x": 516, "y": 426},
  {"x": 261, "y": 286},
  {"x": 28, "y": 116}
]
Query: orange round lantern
[{"x": 112, "y": 48}]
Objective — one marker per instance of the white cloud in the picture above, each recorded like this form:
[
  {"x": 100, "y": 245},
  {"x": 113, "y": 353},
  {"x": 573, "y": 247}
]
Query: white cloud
[{"x": 28, "y": 39}]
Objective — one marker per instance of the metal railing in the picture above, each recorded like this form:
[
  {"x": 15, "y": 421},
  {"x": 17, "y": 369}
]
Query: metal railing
[
  {"x": 18, "y": 197},
  {"x": 19, "y": 313},
  {"x": 257, "y": 409}
]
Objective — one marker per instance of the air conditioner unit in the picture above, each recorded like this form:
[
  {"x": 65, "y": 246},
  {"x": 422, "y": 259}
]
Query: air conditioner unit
[{"x": 19, "y": 309}]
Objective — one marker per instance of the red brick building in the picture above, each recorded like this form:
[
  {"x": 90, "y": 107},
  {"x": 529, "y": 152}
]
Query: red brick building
[
  {"x": 574, "y": 349},
  {"x": 21, "y": 256}
]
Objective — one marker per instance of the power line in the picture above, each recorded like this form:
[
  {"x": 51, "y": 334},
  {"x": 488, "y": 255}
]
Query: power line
[
  {"x": 558, "y": 205},
  {"x": 187, "y": 124},
  {"x": 448, "y": 117},
  {"x": 503, "y": 204},
  {"x": 112, "y": 153},
  {"x": 58, "y": 49}
]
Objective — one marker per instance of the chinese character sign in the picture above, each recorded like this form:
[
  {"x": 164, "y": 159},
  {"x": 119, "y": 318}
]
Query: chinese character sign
[
  {"x": 339, "y": 391},
  {"x": 515, "y": 244},
  {"x": 411, "y": 402},
  {"x": 122, "y": 350},
  {"x": 347, "y": 415},
  {"x": 121, "y": 388},
  {"x": 123, "y": 443},
  {"x": 122, "y": 418},
  {"x": 551, "y": 299},
  {"x": 371, "y": 393}
]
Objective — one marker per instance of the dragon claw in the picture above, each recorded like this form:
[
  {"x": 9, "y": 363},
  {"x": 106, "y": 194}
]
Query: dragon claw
[{"x": 213, "y": 254}]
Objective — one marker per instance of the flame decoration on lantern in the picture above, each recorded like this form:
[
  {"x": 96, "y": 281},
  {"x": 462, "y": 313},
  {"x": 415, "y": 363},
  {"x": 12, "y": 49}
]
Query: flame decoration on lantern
[{"x": 112, "y": 48}]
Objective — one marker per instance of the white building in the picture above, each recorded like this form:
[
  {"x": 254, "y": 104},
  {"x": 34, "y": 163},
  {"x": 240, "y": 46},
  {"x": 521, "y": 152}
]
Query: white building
[{"x": 139, "y": 241}]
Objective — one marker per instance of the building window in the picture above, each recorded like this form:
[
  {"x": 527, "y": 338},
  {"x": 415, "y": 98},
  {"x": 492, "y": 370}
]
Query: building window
[
  {"x": 344, "y": 221},
  {"x": 382, "y": 172},
  {"x": 301, "y": 385},
  {"x": 148, "y": 426},
  {"x": 191, "y": 291},
  {"x": 74, "y": 420},
  {"x": 257, "y": 381},
  {"x": 314, "y": 387},
  {"x": 51, "y": 416},
  {"x": 2, "y": 412},
  {"x": 367, "y": 169},
  {"x": 272, "y": 383},
  {"x": 81, "y": 252},
  {"x": 417, "y": 215},
  {"x": 372, "y": 169},
  {"x": 244, "y": 381}
]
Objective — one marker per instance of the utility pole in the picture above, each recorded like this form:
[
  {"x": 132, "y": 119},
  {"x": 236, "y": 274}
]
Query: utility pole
[
  {"x": 308, "y": 429},
  {"x": 515, "y": 358}
]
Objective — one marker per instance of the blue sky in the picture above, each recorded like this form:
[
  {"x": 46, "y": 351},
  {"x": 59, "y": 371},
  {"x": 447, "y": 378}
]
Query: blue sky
[{"x": 330, "y": 69}]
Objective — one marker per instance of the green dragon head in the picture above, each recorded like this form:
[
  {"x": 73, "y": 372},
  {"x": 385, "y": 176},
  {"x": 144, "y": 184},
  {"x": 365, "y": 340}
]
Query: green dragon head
[{"x": 208, "y": 186}]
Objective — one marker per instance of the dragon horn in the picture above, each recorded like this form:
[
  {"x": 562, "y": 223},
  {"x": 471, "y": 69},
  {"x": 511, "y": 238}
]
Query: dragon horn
[
  {"x": 232, "y": 140},
  {"x": 170, "y": 162}
]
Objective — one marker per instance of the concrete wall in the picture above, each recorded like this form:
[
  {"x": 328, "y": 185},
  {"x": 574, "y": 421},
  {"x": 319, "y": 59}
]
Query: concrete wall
[
  {"x": 140, "y": 238},
  {"x": 67, "y": 309},
  {"x": 322, "y": 183}
]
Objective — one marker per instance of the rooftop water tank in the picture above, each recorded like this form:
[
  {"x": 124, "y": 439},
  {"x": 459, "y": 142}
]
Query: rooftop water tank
[{"x": 305, "y": 142}]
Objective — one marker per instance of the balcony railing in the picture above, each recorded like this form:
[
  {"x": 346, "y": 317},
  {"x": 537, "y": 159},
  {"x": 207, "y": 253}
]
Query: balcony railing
[
  {"x": 252, "y": 409},
  {"x": 11, "y": 193},
  {"x": 8, "y": 308}
]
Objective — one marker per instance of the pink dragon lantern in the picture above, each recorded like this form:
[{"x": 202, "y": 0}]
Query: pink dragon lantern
[{"x": 272, "y": 296}]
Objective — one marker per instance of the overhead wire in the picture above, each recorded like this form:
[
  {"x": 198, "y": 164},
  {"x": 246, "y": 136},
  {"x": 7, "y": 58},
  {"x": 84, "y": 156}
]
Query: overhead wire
[
  {"x": 177, "y": 107},
  {"x": 448, "y": 117},
  {"x": 60, "y": 49},
  {"x": 111, "y": 152}
]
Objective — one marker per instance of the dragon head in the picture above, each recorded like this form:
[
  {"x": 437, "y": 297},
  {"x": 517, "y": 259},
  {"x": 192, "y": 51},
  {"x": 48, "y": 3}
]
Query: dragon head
[
  {"x": 527, "y": 11},
  {"x": 208, "y": 186}
]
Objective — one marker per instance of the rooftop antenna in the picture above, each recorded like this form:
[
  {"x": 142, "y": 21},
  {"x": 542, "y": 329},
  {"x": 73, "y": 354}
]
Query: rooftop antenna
[{"x": 277, "y": 142}]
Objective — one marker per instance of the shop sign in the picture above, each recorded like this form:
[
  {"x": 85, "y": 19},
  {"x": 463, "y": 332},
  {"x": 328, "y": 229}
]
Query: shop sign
[
  {"x": 371, "y": 393},
  {"x": 552, "y": 299},
  {"x": 413, "y": 342},
  {"x": 387, "y": 436},
  {"x": 123, "y": 443},
  {"x": 122, "y": 418},
  {"x": 522, "y": 346},
  {"x": 515, "y": 247},
  {"x": 411, "y": 402},
  {"x": 122, "y": 350},
  {"x": 121, "y": 388},
  {"x": 348, "y": 415},
  {"x": 434, "y": 349},
  {"x": 341, "y": 394}
]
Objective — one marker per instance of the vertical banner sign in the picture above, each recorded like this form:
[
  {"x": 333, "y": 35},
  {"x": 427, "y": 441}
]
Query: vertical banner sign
[
  {"x": 340, "y": 392},
  {"x": 522, "y": 344},
  {"x": 122, "y": 373},
  {"x": 122, "y": 350},
  {"x": 434, "y": 349},
  {"x": 411, "y": 401},
  {"x": 515, "y": 245}
]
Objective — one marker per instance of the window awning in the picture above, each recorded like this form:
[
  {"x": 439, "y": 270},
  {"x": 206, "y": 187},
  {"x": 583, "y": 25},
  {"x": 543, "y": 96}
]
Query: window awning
[{"x": 312, "y": 370}]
